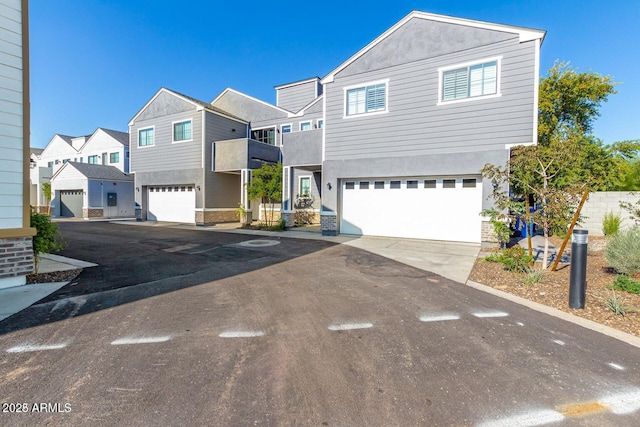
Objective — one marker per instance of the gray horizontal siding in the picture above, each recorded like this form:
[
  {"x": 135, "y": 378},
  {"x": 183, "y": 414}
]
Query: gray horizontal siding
[
  {"x": 166, "y": 155},
  {"x": 416, "y": 125},
  {"x": 293, "y": 98}
]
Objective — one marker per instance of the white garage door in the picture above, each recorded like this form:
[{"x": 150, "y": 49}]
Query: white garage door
[
  {"x": 420, "y": 208},
  {"x": 174, "y": 203}
]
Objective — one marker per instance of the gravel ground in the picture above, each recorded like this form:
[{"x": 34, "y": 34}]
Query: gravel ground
[
  {"x": 57, "y": 276},
  {"x": 553, "y": 289}
]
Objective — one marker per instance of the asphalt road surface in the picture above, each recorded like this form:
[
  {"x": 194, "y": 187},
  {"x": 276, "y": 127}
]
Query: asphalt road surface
[{"x": 186, "y": 327}]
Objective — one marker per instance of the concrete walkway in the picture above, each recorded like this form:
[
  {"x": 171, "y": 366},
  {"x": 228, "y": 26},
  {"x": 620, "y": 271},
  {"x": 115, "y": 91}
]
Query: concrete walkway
[
  {"x": 15, "y": 299},
  {"x": 452, "y": 260}
]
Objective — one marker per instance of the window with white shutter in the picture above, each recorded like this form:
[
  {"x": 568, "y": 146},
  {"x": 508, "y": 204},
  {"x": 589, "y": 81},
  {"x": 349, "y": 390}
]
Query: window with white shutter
[
  {"x": 369, "y": 98},
  {"x": 470, "y": 81}
]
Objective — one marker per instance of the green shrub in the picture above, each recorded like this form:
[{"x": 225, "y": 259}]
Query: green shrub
[
  {"x": 611, "y": 224},
  {"x": 626, "y": 283},
  {"x": 616, "y": 304},
  {"x": 280, "y": 226},
  {"x": 534, "y": 276},
  {"x": 47, "y": 239},
  {"x": 513, "y": 259},
  {"x": 623, "y": 251}
]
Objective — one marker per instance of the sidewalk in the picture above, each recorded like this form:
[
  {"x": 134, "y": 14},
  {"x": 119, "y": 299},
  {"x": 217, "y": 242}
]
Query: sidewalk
[{"x": 16, "y": 299}]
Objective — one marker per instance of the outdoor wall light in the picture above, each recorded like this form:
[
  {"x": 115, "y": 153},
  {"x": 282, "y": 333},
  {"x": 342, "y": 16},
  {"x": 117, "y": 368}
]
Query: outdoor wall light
[
  {"x": 328, "y": 185},
  {"x": 198, "y": 187},
  {"x": 138, "y": 189}
]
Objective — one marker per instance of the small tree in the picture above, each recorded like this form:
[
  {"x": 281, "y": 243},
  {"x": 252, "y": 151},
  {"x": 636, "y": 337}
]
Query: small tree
[
  {"x": 266, "y": 185},
  {"x": 46, "y": 191},
  {"x": 47, "y": 239}
]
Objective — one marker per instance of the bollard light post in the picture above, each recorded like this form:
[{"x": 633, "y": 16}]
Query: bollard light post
[{"x": 578, "y": 272}]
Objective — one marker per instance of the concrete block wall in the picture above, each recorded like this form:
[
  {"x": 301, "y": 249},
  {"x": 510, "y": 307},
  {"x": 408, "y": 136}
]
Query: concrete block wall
[{"x": 601, "y": 202}]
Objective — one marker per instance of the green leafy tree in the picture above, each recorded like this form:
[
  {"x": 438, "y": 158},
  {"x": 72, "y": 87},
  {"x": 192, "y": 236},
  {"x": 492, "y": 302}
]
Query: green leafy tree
[
  {"x": 47, "y": 239},
  {"x": 569, "y": 100},
  {"x": 567, "y": 161},
  {"x": 266, "y": 185}
]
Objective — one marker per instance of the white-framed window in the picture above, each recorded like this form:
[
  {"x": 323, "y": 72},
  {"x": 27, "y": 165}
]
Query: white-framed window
[
  {"x": 266, "y": 135},
  {"x": 92, "y": 160},
  {"x": 366, "y": 99},
  {"x": 145, "y": 137},
  {"x": 285, "y": 128},
  {"x": 320, "y": 123},
  {"x": 305, "y": 126},
  {"x": 114, "y": 157},
  {"x": 469, "y": 81},
  {"x": 182, "y": 131},
  {"x": 304, "y": 188}
]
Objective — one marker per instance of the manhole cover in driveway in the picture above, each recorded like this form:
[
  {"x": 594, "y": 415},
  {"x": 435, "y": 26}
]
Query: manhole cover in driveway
[{"x": 259, "y": 243}]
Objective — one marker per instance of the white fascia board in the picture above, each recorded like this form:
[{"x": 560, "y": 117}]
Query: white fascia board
[
  {"x": 309, "y": 105},
  {"x": 146, "y": 105},
  {"x": 286, "y": 85},
  {"x": 524, "y": 34}
]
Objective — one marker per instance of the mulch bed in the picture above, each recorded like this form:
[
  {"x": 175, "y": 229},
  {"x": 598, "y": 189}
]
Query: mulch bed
[
  {"x": 58, "y": 276},
  {"x": 553, "y": 289}
]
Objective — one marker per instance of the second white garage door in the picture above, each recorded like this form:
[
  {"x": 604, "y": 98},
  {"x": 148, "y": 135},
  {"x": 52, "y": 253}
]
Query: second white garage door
[
  {"x": 173, "y": 203},
  {"x": 420, "y": 208}
]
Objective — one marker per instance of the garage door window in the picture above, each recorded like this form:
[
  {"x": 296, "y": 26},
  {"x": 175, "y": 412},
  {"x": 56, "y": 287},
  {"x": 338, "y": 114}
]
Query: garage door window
[
  {"x": 412, "y": 184},
  {"x": 448, "y": 183},
  {"x": 429, "y": 183},
  {"x": 395, "y": 184},
  {"x": 469, "y": 183},
  {"x": 364, "y": 185},
  {"x": 350, "y": 185},
  {"x": 379, "y": 185}
]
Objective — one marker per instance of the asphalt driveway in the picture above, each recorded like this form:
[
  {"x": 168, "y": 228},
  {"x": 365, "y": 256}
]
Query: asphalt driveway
[{"x": 333, "y": 335}]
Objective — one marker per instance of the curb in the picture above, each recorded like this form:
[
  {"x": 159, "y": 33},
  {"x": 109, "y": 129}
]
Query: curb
[{"x": 580, "y": 321}]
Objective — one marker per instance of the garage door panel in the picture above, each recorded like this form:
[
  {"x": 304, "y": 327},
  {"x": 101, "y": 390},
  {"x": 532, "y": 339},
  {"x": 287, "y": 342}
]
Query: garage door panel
[
  {"x": 174, "y": 203},
  {"x": 71, "y": 203},
  {"x": 424, "y": 213}
]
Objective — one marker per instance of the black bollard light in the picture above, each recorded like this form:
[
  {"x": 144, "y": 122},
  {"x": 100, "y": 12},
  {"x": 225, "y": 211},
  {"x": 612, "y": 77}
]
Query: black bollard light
[{"x": 578, "y": 273}]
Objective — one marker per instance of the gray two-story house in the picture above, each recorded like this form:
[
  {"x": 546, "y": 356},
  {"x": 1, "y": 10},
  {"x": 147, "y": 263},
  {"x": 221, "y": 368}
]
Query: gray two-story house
[
  {"x": 389, "y": 143},
  {"x": 191, "y": 160},
  {"x": 413, "y": 117}
]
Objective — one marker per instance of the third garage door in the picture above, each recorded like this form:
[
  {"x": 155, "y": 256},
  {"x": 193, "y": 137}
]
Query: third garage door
[{"x": 445, "y": 208}]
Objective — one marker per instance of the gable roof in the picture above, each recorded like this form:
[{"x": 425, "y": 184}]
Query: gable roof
[
  {"x": 275, "y": 107},
  {"x": 121, "y": 137},
  {"x": 96, "y": 172},
  {"x": 198, "y": 103},
  {"x": 524, "y": 34}
]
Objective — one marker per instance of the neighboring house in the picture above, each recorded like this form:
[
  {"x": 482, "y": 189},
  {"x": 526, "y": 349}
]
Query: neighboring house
[
  {"x": 389, "y": 143},
  {"x": 191, "y": 160},
  {"x": 103, "y": 147},
  {"x": 16, "y": 235},
  {"x": 92, "y": 191}
]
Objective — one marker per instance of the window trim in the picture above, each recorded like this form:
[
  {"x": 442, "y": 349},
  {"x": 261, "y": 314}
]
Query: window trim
[
  {"x": 173, "y": 131},
  {"x": 153, "y": 128},
  {"x": 310, "y": 122},
  {"x": 442, "y": 70},
  {"x": 115, "y": 153},
  {"x": 300, "y": 178},
  {"x": 286, "y": 124},
  {"x": 364, "y": 85},
  {"x": 275, "y": 134}
]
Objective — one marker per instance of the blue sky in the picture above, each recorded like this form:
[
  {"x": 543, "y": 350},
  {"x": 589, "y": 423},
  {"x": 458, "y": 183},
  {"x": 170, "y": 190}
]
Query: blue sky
[{"x": 95, "y": 63}]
